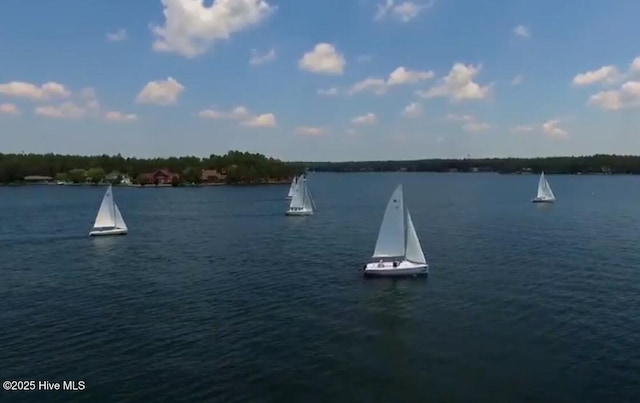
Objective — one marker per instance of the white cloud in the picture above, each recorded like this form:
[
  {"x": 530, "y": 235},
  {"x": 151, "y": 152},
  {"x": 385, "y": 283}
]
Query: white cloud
[
  {"x": 460, "y": 118},
  {"x": 522, "y": 129},
  {"x": 89, "y": 99},
  {"x": 66, "y": 110},
  {"x": 191, "y": 28},
  {"x": 160, "y": 92},
  {"x": 624, "y": 97},
  {"x": 399, "y": 76},
  {"x": 517, "y": 80},
  {"x": 551, "y": 129},
  {"x": 413, "y": 110},
  {"x": 85, "y": 104},
  {"x": 368, "y": 119},
  {"x": 523, "y": 31},
  {"x": 405, "y": 11},
  {"x": 323, "y": 59},
  {"x": 627, "y": 96},
  {"x": 375, "y": 85},
  {"x": 470, "y": 123},
  {"x": 241, "y": 114},
  {"x": 9, "y": 109},
  {"x": 328, "y": 92},
  {"x": 117, "y": 36},
  {"x": 264, "y": 120},
  {"x": 46, "y": 91},
  {"x": 257, "y": 58},
  {"x": 475, "y": 127},
  {"x": 605, "y": 74},
  {"x": 403, "y": 76},
  {"x": 458, "y": 85},
  {"x": 116, "y": 116},
  {"x": 310, "y": 130}
]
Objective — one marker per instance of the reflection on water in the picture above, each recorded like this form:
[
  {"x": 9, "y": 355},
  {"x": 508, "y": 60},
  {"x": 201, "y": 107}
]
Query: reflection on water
[{"x": 106, "y": 244}]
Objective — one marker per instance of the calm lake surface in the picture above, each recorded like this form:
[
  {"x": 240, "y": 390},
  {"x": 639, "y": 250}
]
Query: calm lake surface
[{"x": 215, "y": 295}]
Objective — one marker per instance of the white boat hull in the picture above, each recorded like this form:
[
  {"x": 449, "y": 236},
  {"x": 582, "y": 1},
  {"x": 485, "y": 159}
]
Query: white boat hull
[
  {"x": 386, "y": 269},
  {"x": 542, "y": 200},
  {"x": 108, "y": 231},
  {"x": 298, "y": 212}
]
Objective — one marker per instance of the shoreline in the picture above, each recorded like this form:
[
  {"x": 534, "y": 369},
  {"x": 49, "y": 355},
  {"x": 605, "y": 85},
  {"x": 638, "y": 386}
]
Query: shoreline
[{"x": 139, "y": 186}]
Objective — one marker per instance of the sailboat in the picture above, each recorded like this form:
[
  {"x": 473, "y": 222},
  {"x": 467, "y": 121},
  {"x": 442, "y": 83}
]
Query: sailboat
[
  {"x": 545, "y": 194},
  {"x": 397, "y": 248},
  {"x": 109, "y": 221},
  {"x": 292, "y": 188},
  {"x": 301, "y": 202}
]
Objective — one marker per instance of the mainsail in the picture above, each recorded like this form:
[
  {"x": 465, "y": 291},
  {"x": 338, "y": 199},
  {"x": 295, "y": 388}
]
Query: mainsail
[
  {"x": 390, "y": 241},
  {"x": 106, "y": 217}
]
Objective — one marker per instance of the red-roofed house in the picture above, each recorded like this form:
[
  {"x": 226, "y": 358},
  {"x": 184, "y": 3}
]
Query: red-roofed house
[
  {"x": 212, "y": 176},
  {"x": 159, "y": 177}
]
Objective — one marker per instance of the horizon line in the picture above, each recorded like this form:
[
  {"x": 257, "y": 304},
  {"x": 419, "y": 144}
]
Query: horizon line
[{"x": 325, "y": 161}]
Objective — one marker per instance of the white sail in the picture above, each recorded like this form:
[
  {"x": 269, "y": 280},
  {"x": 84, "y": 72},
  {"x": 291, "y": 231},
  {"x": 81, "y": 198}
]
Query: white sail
[
  {"x": 414, "y": 251},
  {"x": 119, "y": 220},
  {"x": 106, "y": 217},
  {"x": 307, "y": 203},
  {"x": 390, "y": 241},
  {"x": 544, "y": 190},
  {"x": 292, "y": 188},
  {"x": 297, "y": 199}
]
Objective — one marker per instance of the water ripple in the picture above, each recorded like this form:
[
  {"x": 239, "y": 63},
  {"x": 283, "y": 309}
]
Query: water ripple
[{"x": 216, "y": 295}]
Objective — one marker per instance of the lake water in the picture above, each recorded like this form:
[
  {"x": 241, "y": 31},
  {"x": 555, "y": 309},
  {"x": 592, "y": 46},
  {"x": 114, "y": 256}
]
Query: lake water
[{"x": 215, "y": 295}]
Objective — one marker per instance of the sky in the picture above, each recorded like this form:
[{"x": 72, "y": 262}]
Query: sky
[{"x": 330, "y": 80}]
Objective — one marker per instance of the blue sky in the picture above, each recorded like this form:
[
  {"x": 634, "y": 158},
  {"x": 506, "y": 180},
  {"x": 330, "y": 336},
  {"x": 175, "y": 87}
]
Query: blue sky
[{"x": 176, "y": 77}]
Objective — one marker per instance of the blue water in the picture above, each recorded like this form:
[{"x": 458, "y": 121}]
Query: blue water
[{"x": 215, "y": 295}]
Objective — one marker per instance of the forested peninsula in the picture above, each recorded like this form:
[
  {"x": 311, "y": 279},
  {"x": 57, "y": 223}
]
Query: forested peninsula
[
  {"x": 239, "y": 168},
  {"x": 595, "y": 164},
  {"x": 235, "y": 167}
]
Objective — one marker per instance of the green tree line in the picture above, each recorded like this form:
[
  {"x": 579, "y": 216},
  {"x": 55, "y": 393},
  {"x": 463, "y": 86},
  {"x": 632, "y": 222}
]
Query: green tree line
[
  {"x": 239, "y": 167},
  {"x": 614, "y": 164}
]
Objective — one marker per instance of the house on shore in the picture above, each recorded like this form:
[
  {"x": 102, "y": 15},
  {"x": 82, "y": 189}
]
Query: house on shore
[
  {"x": 159, "y": 177},
  {"x": 116, "y": 176},
  {"x": 38, "y": 179},
  {"x": 212, "y": 176}
]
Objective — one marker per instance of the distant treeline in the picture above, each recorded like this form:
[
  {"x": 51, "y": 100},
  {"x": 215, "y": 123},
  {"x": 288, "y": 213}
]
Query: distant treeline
[
  {"x": 608, "y": 164},
  {"x": 236, "y": 167}
]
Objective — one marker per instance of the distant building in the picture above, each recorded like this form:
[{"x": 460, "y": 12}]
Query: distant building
[
  {"x": 113, "y": 176},
  {"x": 159, "y": 177},
  {"x": 116, "y": 176},
  {"x": 38, "y": 179},
  {"x": 212, "y": 176}
]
